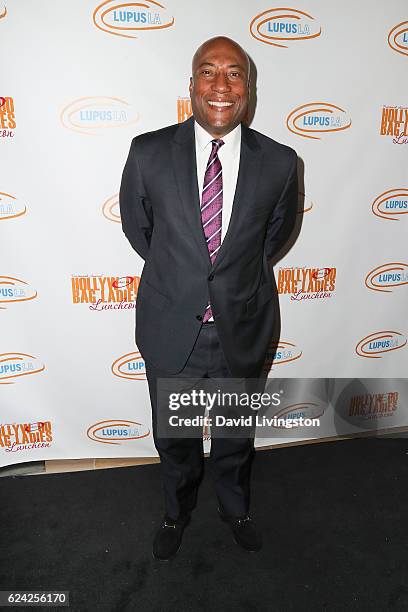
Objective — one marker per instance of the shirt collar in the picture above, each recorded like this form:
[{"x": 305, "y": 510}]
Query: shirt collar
[{"x": 232, "y": 140}]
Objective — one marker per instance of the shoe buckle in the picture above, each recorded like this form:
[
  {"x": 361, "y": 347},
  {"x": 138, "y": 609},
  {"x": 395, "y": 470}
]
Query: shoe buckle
[{"x": 165, "y": 524}]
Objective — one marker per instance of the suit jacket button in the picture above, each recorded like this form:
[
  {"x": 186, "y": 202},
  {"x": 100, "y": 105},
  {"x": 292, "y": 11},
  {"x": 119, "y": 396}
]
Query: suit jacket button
[
  {"x": 211, "y": 277},
  {"x": 199, "y": 317}
]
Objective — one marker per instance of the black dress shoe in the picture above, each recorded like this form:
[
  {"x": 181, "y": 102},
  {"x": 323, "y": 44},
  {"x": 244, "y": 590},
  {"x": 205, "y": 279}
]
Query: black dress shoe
[
  {"x": 243, "y": 529},
  {"x": 167, "y": 540}
]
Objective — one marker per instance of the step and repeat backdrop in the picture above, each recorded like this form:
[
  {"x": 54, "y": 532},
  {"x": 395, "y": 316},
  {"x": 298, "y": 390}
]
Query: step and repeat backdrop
[{"x": 79, "y": 79}]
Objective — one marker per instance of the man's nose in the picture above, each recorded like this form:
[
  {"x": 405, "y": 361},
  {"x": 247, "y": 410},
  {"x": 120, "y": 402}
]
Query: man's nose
[{"x": 221, "y": 83}]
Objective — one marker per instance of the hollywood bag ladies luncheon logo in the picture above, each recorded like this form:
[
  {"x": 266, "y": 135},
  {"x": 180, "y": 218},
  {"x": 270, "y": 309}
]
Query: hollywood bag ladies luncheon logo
[
  {"x": 7, "y": 117},
  {"x": 398, "y": 38},
  {"x": 127, "y": 18},
  {"x": 95, "y": 114},
  {"x": 386, "y": 277},
  {"x": 281, "y": 27},
  {"x": 374, "y": 346},
  {"x": 16, "y": 437},
  {"x": 102, "y": 292},
  {"x": 316, "y": 118}
]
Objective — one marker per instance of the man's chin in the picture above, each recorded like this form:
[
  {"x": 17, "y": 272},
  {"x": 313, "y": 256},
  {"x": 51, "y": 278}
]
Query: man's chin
[{"x": 221, "y": 124}]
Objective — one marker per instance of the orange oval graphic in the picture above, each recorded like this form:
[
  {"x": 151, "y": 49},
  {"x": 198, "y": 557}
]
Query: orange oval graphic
[
  {"x": 10, "y": 207},
  {"x": 280, "y": 353},
  {"x": 317, "y": 118},
  {"x": 305, "y": 204},
  {"x": 3, "y": 12},
  {"x": 94, "y": 114},
  {"x": 15, "y": 365},
  {"x": 15, "y": 290},
  {"x": 115, "y": 431},
  {"x": 398, "y": 38},
  {"x": 110, "y": 209},
  {"x": 391, "y": 203},
  {"x": 280, "y": 26},
  {"x": 374, "y": 345},
  {"x": 126, "y": 18},
  {"x": 130, "y": 366},
  {"x": 305, "y": 410},
  {"x": 384, "y": 278}
]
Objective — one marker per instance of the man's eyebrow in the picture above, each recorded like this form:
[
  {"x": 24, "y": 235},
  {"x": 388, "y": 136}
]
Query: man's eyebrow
[{"x": 214, "y": 65}]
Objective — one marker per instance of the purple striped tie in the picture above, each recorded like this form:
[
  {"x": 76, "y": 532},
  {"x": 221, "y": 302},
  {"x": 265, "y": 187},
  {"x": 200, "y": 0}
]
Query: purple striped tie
[{"x": 211, "y": 207}]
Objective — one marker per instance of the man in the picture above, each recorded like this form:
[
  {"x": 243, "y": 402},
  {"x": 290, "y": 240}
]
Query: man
[{"x": 206, "y": 204}]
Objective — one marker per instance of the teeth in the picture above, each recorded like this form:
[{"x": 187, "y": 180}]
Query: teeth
[{"x": 220, "y": 104}]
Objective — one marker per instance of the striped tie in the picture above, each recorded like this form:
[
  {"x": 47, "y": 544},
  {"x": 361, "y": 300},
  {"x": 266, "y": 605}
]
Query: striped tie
[{"x": 211, "y": 207}]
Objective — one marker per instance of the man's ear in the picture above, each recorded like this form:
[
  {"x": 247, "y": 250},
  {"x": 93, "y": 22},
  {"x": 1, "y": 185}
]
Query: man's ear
[{"x": 191, "y": 85}]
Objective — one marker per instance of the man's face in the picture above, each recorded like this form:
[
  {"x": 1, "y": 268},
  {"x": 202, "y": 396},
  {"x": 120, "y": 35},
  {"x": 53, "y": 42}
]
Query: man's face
[{"x": 219, "y": 87}]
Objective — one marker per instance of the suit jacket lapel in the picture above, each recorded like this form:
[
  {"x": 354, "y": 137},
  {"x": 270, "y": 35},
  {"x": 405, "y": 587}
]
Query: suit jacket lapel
[
  {"x": 185, "y": 171},
  {"x": 248, "y": 174}
]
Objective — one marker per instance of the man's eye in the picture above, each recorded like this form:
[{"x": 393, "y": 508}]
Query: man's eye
[
  {"x": 205, "y": 72},
  {"x": 235, "y": 74}
]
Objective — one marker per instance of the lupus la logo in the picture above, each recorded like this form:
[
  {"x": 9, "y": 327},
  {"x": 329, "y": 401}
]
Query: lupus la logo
[
  {"x": 394, "y": 122},
  {"x": 7, "y": 117},
  {"x": 3, "y": 10},
  {"x": 305, "y": 204},
  {"x": 373, "y": 405},
  {"x": 25, "y": 436},
  {"x": 386, "y": 277},
  {"x": 95, "y": 114},
  {"x": 15, "y": 290},
  {"x": 116, "y": 431},
  {"x": 281, "y": 353},
  {"x": 105, "y": 292},
  {"x": 125, "y": 19},
  {"x": 307, "y": 283},
  {"x": 110, "y": 209},
  {"x": 15, "y": 365},
  {"x": 375, "y": 345},
  {"x": 10, "y": 207},
  {"x": 130, "y": 366},
  {"x": 314, "y": 118},
  {"x": 296, "y": 412},
  {"x": 282, "y": 26},
  {"x": 184, "y": 109},
  {"x": 391, "y": 203},
  {"x": 398, "y": 38}
]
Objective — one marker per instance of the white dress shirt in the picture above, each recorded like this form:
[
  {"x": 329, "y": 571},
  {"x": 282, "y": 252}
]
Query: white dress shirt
[{"x": 228, "y": 155}]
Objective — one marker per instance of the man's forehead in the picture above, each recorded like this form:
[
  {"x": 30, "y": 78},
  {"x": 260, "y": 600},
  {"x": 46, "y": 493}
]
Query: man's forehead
[{"x": 220, "y": 54}]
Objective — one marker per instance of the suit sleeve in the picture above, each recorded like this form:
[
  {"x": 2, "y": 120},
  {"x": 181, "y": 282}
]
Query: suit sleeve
[
  {"x": 283, "y": 218},
  {"x": 135, "y": 209}
]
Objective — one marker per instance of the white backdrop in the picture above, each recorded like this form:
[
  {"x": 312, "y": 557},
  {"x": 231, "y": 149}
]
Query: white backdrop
[{"x": 78, "y": 82}]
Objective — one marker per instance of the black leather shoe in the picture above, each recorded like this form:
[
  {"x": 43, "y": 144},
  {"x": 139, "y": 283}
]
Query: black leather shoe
[
  {"x": 243, "y": 529},
  {"x": 167, "y": 540}
]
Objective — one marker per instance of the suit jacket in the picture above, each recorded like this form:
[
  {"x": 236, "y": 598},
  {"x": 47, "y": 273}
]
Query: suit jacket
[{"x": 160, "y": 212}]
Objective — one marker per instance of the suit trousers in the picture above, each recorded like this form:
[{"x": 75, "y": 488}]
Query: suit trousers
[{"x": 182, "y": 458}]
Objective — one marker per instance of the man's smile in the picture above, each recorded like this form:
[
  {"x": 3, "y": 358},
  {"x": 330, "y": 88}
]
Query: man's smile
[{"x": 219, "y": 106}]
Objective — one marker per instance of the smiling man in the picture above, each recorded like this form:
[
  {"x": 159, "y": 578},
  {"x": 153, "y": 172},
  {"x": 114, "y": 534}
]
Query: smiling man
[{"x": 206, "y": 204}]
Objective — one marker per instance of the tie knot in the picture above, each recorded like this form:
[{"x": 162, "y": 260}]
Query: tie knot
[{"x": 217, "y": 143}]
